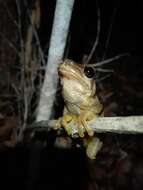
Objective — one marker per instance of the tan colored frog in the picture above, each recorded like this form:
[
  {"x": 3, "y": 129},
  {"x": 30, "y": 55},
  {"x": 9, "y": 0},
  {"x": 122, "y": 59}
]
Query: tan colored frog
[{"x": 81, "y": 101}]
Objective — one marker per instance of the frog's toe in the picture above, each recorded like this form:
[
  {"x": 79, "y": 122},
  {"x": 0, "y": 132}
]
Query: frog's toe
[
  {"x": 57, "y": 124},
  {"x": 90, "y": 131},
  {"x": 93, "y": 147},
  {"x": 84, "y": 123},
  {"x": 80, "y": 131},
  {"x": 68, "y": 129},
  {"x": 79, "y": 126}
]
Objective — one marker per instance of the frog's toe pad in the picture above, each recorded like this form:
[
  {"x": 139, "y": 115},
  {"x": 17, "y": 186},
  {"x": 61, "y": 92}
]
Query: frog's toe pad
[
  {"x": 90, "y": 131},
  {"x": 93, "y": 147}
]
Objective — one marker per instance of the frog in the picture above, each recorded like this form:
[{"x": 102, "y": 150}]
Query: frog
[{"x": 81, "y": 102}]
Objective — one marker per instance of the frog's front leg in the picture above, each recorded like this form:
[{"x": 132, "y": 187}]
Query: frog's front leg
[
  {"x": 67, "y": 121},
  {"x": 79, "y": 121},
  {"x": 63, "y": 122}
]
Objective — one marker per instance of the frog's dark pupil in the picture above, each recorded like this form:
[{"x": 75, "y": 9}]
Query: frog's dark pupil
[{"x": 89, "y": 72}]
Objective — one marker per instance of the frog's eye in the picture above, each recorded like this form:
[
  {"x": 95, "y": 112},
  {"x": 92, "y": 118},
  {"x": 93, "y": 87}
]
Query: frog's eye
[{"x": 89, "y": 72}]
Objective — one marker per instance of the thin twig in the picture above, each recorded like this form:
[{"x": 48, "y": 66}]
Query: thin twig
[
  {"x": 102, "y": 78},
  {"x": 22, "y": 61},
  {"x": 97, "y": 36},
  {"x": 20, "y": 32},
  {"x": 39, "y": 46},
  {"x": 110, "y": 31},
  {"x": 37, "y": 37},
  {"x": 9, "y": 14},
  {"x": 100, "y": 63},
  {"x": 105, "y": 70},
  {"x": 10, "y": 43},
  {"x": 15, "y": 89}
]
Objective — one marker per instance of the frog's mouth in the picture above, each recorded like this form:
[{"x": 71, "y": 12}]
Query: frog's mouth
[{"x": 63, "y": 74}]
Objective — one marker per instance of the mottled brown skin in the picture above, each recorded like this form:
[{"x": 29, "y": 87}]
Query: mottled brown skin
[{"x": 81, "y": 101}]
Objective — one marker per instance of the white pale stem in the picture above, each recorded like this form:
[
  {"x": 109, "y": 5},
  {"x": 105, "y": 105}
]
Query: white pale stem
[
  {"x": 122, "y": 125},
  {"x": 59, "y": 34}
]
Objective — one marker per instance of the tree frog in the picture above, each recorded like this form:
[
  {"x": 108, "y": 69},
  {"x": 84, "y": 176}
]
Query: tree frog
[{"x": 81, "y": 102}]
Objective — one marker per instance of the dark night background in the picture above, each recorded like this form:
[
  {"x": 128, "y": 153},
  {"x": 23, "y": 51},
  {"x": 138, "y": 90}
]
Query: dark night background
[{"x": 119, "y": 165}]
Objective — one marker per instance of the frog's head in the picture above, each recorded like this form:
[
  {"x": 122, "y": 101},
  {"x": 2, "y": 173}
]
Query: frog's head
[{"x": 77, "y": 81}]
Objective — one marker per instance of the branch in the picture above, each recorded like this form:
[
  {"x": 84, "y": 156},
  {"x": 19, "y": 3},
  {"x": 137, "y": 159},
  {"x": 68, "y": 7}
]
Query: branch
[
  {"x": 100, "y": 63},
  {"x": 11, "y": 44},
  {"x": 112, "y": 20},
  {"x": 59, "y": 34},
  {"x": 124, "y": 125},
  {"x": 121, "y": 125},
  {"x": 97, "y": 36},
  {"x": 10, "y": 14}
]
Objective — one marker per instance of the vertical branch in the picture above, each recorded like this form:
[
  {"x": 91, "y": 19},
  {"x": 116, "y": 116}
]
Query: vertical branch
[{"x": 59, "y": 34}]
